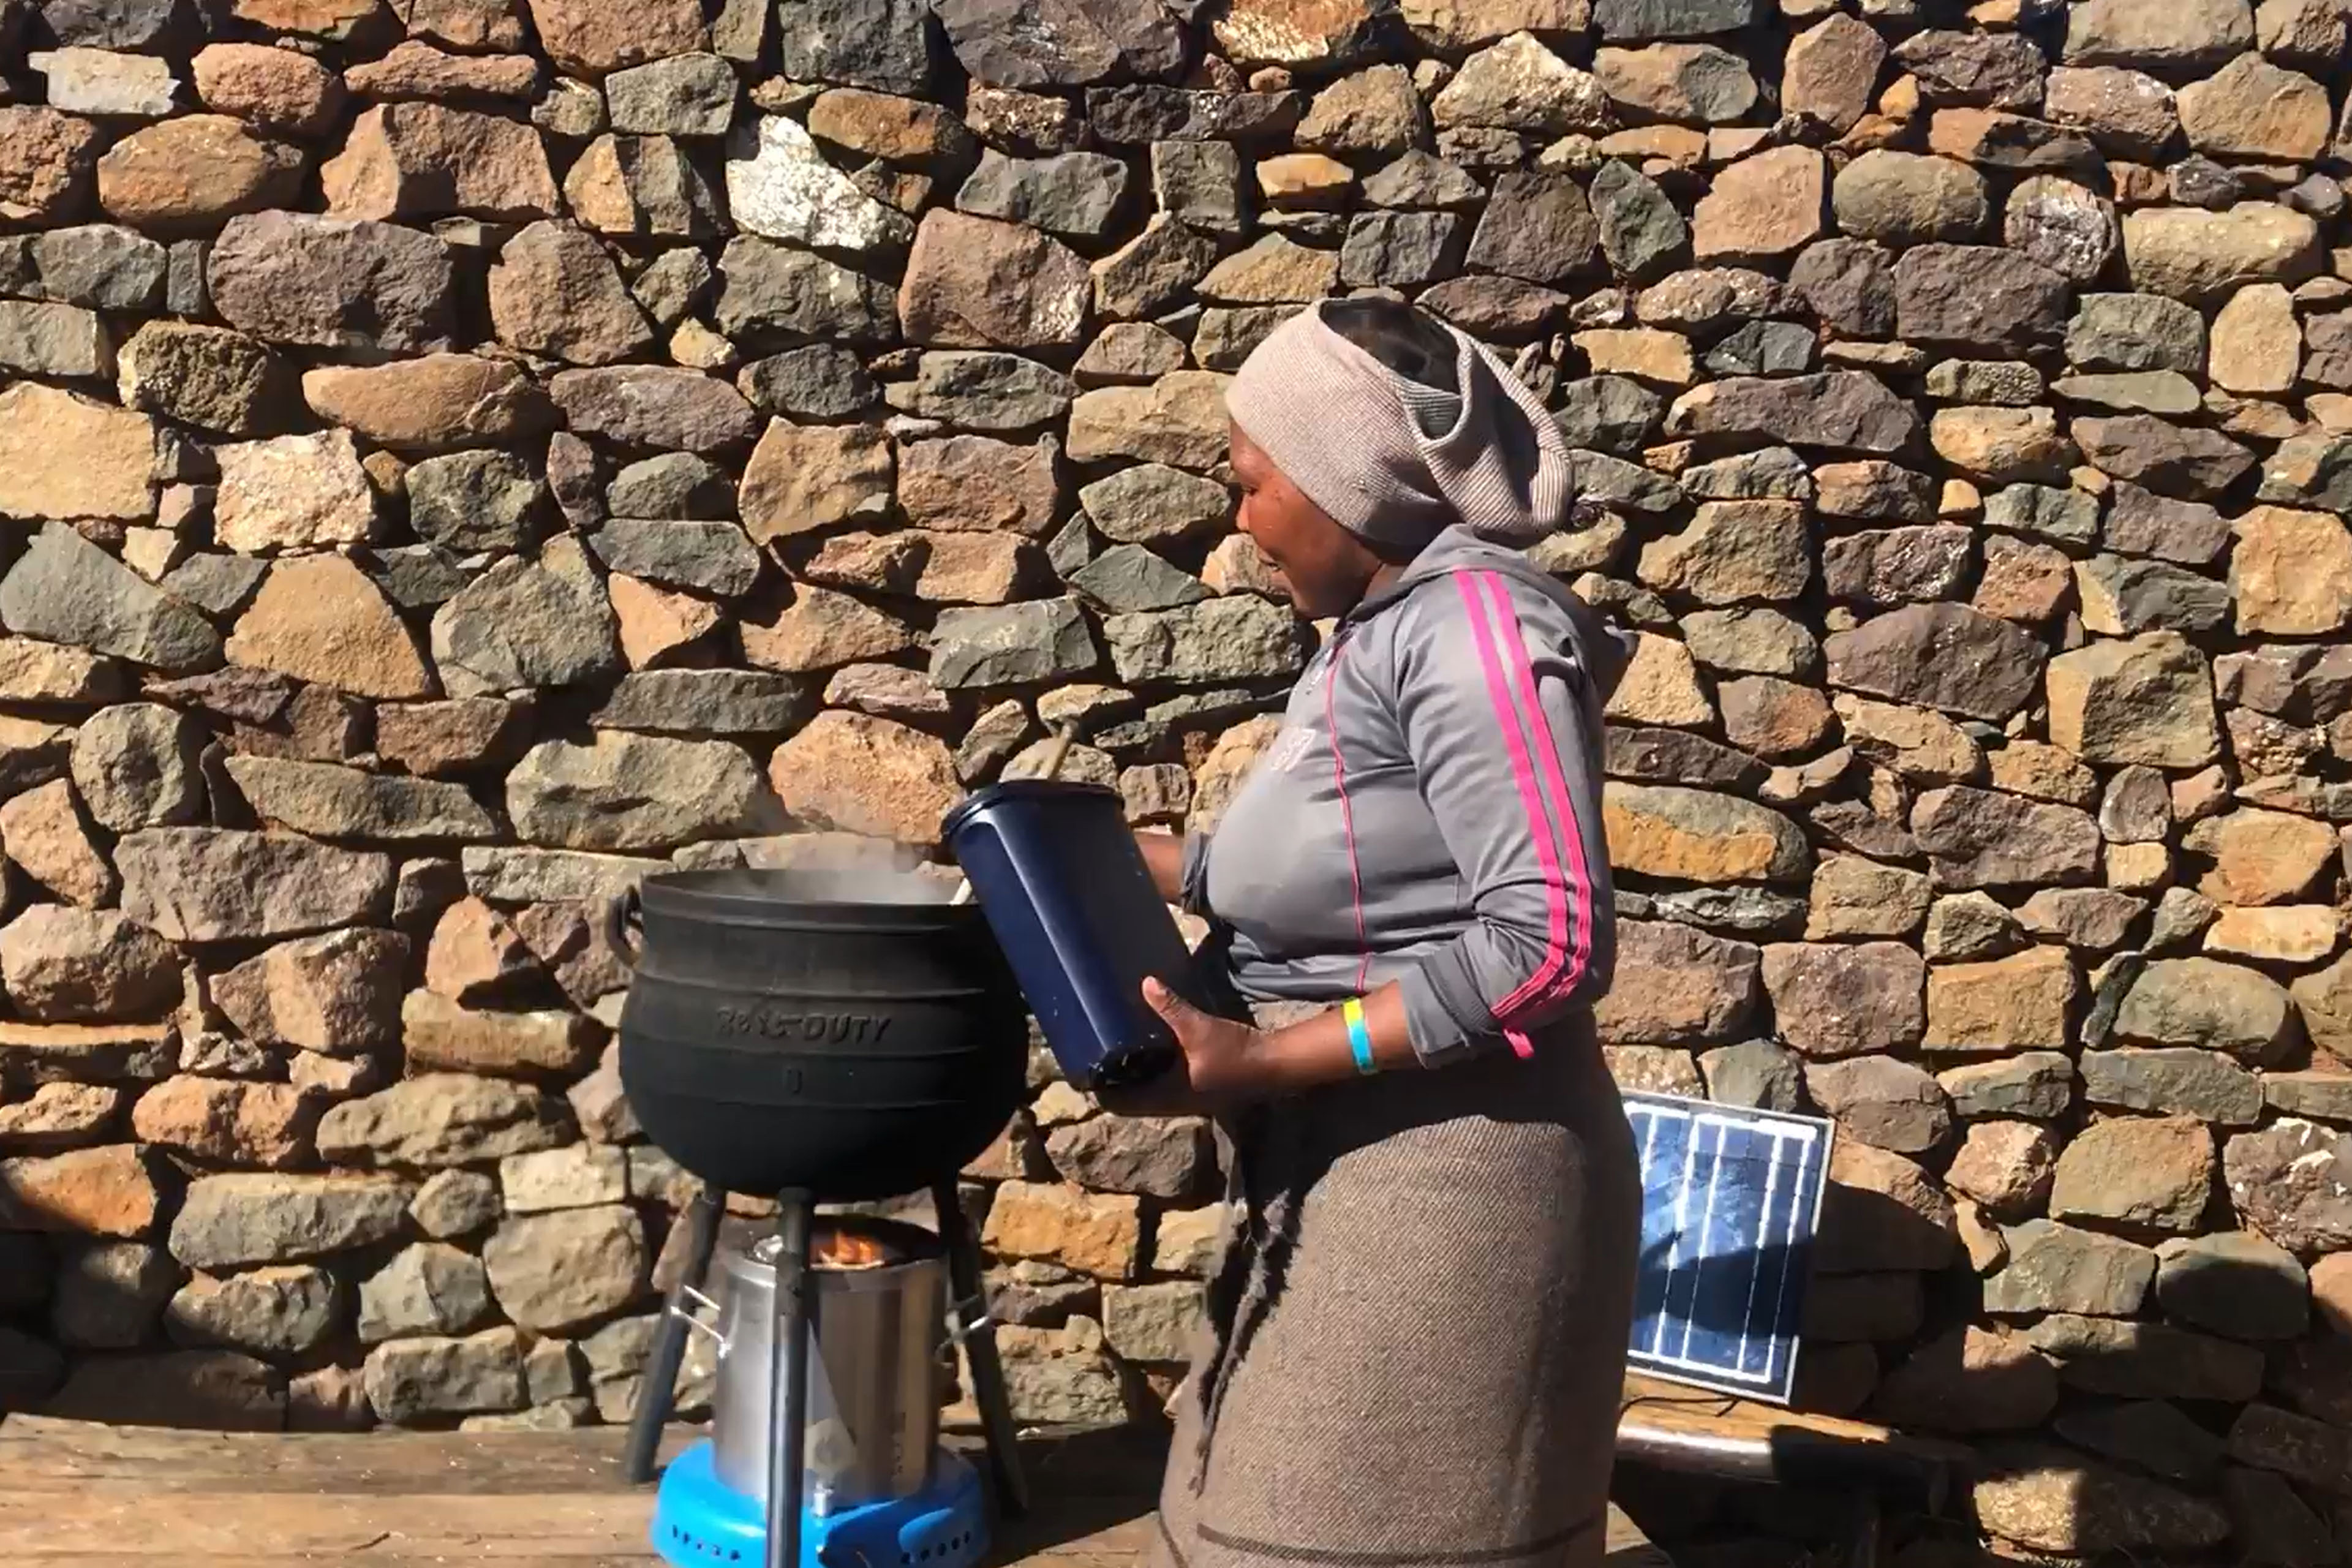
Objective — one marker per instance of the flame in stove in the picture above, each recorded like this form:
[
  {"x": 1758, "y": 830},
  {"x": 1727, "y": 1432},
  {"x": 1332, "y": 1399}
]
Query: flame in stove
[{"x": 838, "y": 1248}]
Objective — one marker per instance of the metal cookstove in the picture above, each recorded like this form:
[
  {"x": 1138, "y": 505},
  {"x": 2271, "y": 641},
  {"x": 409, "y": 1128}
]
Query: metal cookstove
[
  {"x": 845, "y": 1036},
  {"x": 869, "y": 1306}
]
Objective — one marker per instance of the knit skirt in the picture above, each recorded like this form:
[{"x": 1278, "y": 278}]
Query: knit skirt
[{"x": 1417, "y": 1335}]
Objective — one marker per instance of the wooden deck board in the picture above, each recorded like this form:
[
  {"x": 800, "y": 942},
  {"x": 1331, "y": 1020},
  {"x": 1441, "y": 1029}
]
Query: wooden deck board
[
  {"x": 76, "y": 1495},
  {"x": 73, "y": 1495}
]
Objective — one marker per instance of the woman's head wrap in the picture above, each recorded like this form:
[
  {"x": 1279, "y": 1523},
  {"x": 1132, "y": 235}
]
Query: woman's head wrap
[{"x": 1398, "y": 425}]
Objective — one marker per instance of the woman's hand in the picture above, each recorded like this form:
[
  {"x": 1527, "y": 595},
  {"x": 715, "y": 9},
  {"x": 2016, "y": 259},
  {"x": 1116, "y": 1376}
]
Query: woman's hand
[{"x": 1223, "y": 1064}]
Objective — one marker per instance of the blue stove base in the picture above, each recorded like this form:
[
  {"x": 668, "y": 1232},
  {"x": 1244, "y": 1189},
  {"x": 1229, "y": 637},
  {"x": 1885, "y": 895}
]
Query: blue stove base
[{"x": 698, "y": 1523}]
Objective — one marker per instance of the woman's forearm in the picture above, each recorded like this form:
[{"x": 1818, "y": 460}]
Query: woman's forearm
[
  {"x": 1163, "y": 855},
  {"x": 1317, "y": 1050}
]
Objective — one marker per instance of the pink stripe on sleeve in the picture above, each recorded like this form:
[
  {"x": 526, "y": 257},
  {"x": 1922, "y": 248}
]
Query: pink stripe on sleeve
[
  {"x": 1346, "y": 810},
  {"x": 1544, "y": 985},
  {"x": 1499, "y": 692}
]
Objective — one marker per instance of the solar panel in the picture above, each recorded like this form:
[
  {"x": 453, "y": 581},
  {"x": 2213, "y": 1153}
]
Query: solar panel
[{"x": 1730, "y": 1200}]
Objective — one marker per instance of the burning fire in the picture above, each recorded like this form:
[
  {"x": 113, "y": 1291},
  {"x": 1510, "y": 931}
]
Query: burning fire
[{"x": 835, "y": 1247}]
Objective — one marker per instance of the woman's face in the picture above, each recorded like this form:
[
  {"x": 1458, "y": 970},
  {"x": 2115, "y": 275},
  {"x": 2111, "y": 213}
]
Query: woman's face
[{"x": 1326, "y": 568}]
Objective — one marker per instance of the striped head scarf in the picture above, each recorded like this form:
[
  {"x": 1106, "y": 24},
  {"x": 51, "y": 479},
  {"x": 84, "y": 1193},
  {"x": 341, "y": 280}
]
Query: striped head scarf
[{"x": 1398, "y": 425}]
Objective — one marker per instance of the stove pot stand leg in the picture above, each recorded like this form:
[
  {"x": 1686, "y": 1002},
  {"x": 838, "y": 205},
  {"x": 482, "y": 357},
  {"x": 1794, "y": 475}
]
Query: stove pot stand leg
[
  {"x": 656, "y": 1402},
  {"x": 788, "y": 1404},
  {"x": 988, "y": 1389}
]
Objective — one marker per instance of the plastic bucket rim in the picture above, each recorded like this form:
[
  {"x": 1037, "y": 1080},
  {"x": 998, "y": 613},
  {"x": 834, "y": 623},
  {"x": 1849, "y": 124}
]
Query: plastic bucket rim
[{"x": 980, "y": 800}]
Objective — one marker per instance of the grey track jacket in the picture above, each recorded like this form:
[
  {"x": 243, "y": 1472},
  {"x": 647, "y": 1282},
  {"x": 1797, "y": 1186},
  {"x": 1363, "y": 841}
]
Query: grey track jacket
[{"x": 1430, "y": 812}]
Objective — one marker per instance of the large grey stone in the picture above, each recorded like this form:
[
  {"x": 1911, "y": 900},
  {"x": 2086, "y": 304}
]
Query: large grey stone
[
  {"x": 409, "y": 1379},
  {"x": 2051, "y": 1500},
  {"x": 1842, "y": 410},
  {"x": 1158, "y": 1157},
  {"x": 1151, "y": 503},
  {"x": 1628, "y": 20},
  {"x": 1127, "y": 577},
  {"x": 2172, "y": 40},
  {"x": 1682, "y": 986},
  {"x": 209, "y": 1390},
  {"x": 2038, "y": 1084},
  {"x": 1942, "y": 656},
  {"x": 2235, "y": 1283},
  {"x": 522, "y": 625},
  {"x": 2057, "y": 1268},
  {"x": 2209, "y": 1005},
  {"x": 1989, "y": 838},
  {"x": 60, "y": 963},
  {"x": 982, "y": 390},
  {"x": 707, "y": 702},
  {"x": 555, "y": 1271},
  {"x": 1754, "y": 1073},
  {"x": 2175, "y": 459},
  {"x": 880, "y": 44},
  {"x": 327, "y": 801},
  {"x": 278, "y": 1311},
  {"x": 64, "y": 589},
  {"x": 437, "y": 1121},
  {"x": 1072, "y": 193},
  {"x": 1608, "y": 414},
  {"x": 819, "y": 381},
  {"x": 1011, "y": 645},
  {"x": 1060, "y": 43},
  {"x": 684, "y": 95},
  {"x": 430, "y": 1288},
  {"x": 323, "y": 282},
  {"x": 661, "y": 406},
  {"x": 108, "y": 1294},
  {"x": 1537, "y": 227},
  {"x": 468, "y": 503},
  {"x": 135, "y": 765},
  {"x": 207, "y": 884},
  {"x": 2173, "y": 1081},
  {"x": 766, "y": 286},
  {"x": 1976, "y": 296},
  {"x": 1641, "y": 231},
  {"x": 2063, "y": 226},
  {"x": 629, "y": 792},
  {"x": 2136, "y": 332},
  {"x": 2146, "y": 1360},
  {"x": 1889, "y": 1103},
  {"x": 229, "y": 1221},
  {"x": 1849, "y": 284},
  {"x": 712, "y": 557},
  {"x": 1910, "y": 199},
  {"x": 1239, "y": 637}
]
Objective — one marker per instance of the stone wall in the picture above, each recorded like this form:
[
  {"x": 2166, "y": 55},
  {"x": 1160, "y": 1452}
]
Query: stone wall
[{"x": 459, "y": 455}]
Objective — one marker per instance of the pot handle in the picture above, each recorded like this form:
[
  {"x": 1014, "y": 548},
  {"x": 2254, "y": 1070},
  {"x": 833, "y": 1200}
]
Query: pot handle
[
  {"x": 686, "y": 1310},
  {"x": 965, "y": 1320},
  {"x": 622, "y": 911}
]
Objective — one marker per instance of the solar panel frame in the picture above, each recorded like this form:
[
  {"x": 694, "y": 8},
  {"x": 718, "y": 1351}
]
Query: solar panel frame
[{"x": 1654, "y": 1317}]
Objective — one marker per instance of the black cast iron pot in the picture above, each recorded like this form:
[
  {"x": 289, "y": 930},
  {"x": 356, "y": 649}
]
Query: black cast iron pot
[{"x": 794, "y": 1029}]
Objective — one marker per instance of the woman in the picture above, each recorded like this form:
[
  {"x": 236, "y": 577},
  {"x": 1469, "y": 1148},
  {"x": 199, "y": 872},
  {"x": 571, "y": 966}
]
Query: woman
[{"x": 1419, "y": 1329}]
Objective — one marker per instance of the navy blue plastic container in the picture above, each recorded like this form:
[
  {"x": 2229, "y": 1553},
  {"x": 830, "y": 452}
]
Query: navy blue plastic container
[{"x": 1058, "y": 873}]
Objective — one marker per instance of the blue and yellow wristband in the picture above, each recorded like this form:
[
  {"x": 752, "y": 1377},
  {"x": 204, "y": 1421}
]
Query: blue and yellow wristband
[{"x": 1359, "y": 1034}]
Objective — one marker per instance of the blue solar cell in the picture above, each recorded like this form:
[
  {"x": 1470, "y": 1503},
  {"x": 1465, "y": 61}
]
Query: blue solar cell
[{"x": 1730, "y": 1200}]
